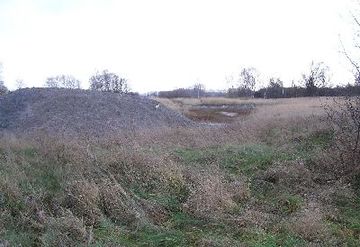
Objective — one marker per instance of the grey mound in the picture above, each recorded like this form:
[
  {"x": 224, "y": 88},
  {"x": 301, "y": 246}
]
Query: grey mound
[{"x": 83, "y": 111}]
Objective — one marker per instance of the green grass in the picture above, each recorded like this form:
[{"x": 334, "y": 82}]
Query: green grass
[
  {"x": 29, "y": 152},
  {"x": 39, "y": 176},
  {"x": 108, "y": 233},
  {"x": 260, "y": 238},
  {"x": 182, "y": 229},
  {"x": 348, "y": 225},
  {"x": 280, "y": 200},
  {"x": 275, "y": 240},
  {"x": 185, "y": 230},
  {"x": 237, "y": 160},
  {"x": 291, "y": 203},
  {"x": 315, "y": 142},
  {"x": 20, "y": 238},
  {"x": 171, "y": 199}
]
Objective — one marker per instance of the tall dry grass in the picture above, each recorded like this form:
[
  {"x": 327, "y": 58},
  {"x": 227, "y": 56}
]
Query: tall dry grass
[{"x": 124, "y": 178}]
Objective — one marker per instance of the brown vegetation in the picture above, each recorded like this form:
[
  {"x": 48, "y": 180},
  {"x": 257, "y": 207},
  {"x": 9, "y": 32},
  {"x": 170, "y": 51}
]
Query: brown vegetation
[{"x": 255, "y": 181}]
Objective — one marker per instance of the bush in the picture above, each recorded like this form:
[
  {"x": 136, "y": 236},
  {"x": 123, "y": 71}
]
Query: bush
[{"x": 344, "y": 118}]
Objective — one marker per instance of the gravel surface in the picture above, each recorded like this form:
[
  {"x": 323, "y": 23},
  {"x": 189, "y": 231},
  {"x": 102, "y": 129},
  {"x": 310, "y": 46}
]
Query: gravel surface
[{"x": 83, "y": 111}]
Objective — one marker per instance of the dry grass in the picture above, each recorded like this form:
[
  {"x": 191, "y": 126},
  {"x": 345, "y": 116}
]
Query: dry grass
[
  {"x": 118, "y": 205},
  {"x": 65, "y": 231},
  {"x": 211, "y": 196},
  {"x": 309, "y": 223},
  {"x": 83, "y": 198},
  {"x": 176, "y": 187}
]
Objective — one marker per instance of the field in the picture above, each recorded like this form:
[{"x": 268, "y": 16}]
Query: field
[{"x": 259, "y": 177}]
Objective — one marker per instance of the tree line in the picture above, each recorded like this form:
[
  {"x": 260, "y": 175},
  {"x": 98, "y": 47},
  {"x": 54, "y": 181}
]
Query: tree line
[
  {"x": 316, "y": 82},
  {"x": 103, "y": 81},
  {"x": 313, "y": 83}
]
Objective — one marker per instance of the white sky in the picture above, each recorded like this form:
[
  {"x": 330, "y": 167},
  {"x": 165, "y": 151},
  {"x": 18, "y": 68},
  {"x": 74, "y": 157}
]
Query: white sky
[{"x": 165, "y": 44}]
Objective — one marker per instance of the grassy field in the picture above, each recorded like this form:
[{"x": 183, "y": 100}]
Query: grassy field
[{"x": 262, "y": 179}]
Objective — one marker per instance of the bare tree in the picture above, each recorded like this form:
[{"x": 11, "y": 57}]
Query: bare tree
[
  {"x": 343, "y": 116},
  {"x": 317, "y": 77},
  {"x": 275, "y": 82},
  {"x": 354, "y": 57},
  {"x": 275, "y": 89},
  {"x": 248, "y": 79},
  {"x": 199, "y": 89},
  {"x": 20, "y": 83},
  {"x": 108, "y": 82},
  {"x": 62, "y": 81}
]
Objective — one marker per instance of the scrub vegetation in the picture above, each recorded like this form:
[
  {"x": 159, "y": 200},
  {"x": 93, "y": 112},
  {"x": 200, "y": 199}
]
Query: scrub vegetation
[{"x": 274, "y": 176}]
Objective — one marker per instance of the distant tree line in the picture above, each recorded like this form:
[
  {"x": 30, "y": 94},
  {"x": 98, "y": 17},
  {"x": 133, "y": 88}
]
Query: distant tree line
[
  {"x": 104, "y": 81},
  {"x": 182, "y": 92},
  {"x": 313, "y": 83},
  {"x": 267, "y": 92},
  {"x": 292, "y": 92},
  {"x": 196, "y": 91},
  {"x": 62, "y": 81}
]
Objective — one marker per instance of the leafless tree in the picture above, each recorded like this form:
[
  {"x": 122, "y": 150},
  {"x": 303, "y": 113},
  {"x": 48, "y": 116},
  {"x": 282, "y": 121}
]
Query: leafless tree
[
  {"x": 275, "y": 82},
  {"x": 317, "y": 77},
  {"x": 248, "y": 79},
  {"x": 108, "y": 82},
  {"x": 62, "y": 81},
  {"x": 354, "y": 57},
  {"x": 20, "y": 83},
  {"x": 199, "y": 89},
  {"x": 275, "y": 89},
  {"x": 343, "y": 115}
]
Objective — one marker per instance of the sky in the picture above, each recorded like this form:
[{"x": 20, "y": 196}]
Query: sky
[{"x": 167, "y": 44}]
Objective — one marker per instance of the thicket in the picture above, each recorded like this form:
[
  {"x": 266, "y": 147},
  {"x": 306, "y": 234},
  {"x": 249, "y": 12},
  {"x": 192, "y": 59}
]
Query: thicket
[{"x": 343, "y": 116}]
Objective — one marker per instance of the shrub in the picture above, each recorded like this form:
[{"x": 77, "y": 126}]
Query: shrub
[{"x": 344, "y": 118}]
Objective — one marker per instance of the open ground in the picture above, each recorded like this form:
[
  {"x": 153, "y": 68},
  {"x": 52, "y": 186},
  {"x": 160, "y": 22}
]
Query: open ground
[{"x": 259, "y": 177}]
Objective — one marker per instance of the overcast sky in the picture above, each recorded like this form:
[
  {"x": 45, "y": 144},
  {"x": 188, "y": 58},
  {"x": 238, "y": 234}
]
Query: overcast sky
[{"x": 165, "y": 44}]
